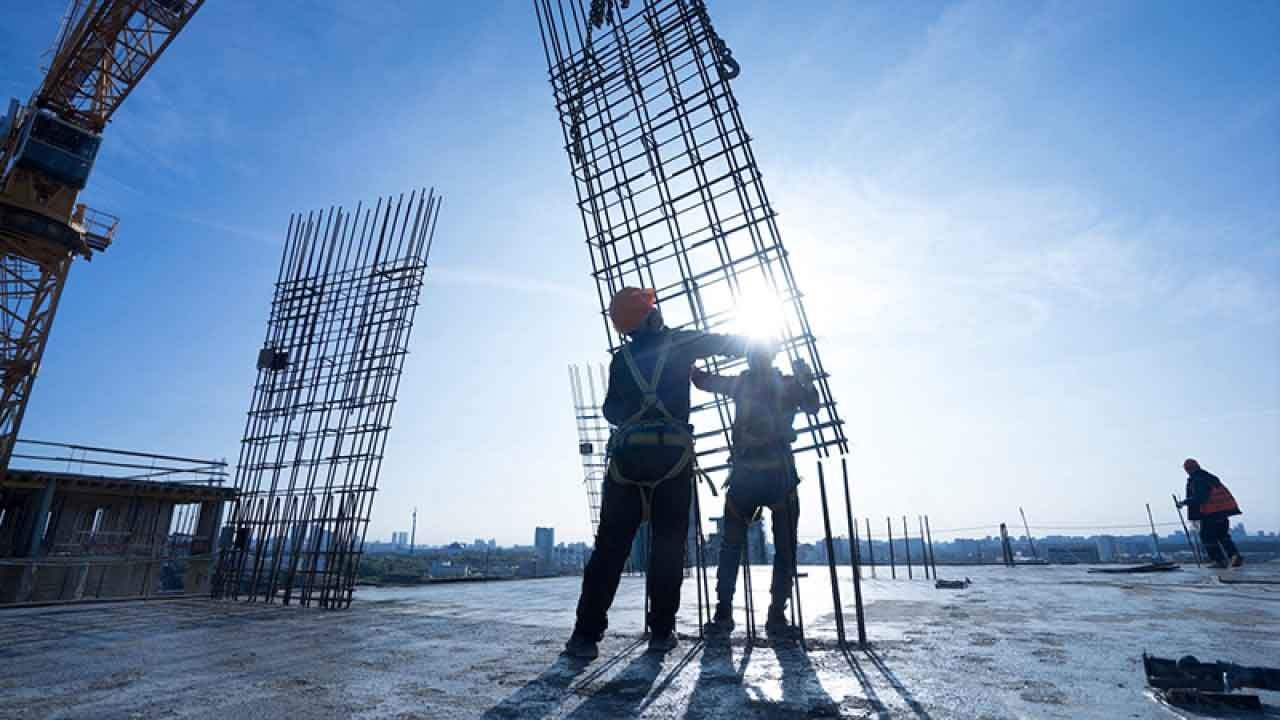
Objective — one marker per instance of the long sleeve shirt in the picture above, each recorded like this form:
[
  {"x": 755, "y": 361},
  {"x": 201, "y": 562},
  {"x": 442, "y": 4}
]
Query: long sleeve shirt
[
  {"x": 766, "y": 402},
  {"x": 624, "y": 398}
]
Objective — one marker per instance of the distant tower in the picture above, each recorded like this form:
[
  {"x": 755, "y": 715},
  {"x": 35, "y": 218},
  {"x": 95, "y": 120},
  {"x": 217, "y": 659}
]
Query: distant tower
[
  {"x": 544, "y": 543},
  {"x": 413, "y": 531}
]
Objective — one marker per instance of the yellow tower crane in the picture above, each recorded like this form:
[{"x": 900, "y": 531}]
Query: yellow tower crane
[{"x": 47, "y": 150}]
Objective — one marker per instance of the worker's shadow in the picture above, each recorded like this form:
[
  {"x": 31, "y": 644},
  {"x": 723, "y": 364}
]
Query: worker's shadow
[
  {"x": 546, "y": 694},
  {"x": 719, "y": 681},
  {"x": 624, "y": 694},
  {"x": 541, "y": 695},
  {"x": 721, "y": 685},
  {"x": 800, "y": 684}
]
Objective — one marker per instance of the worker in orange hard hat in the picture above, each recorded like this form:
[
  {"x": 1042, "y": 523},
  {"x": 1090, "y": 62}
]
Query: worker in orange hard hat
[
  {"x": 651, "y": 466},
  {"x": 1211, "y": 504},
  {"x": 630, "y": 307}
]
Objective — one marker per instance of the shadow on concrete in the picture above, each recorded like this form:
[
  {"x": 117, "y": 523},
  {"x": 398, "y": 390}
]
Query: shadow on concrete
[
  {"x": 873, "y": 699},
  {"x": 916, "y": 708},
  {"x": 546, "y": 693},
  {"x": 801, "y": 687},
  {"x": 624, "y": 693},
  {"x": 719, "y": 683}
]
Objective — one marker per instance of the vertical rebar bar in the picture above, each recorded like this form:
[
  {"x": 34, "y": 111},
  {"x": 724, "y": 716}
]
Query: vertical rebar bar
[
  {"x": 933, "y": 559},
  {"x": 1030, "y": 540},
  {"x": 906, "y": 545},
  {"x": 699, "y": 576},
  {"x": 893, "y": 567},
  {"x": 924, "y": 551},
  {"x": 1155, "y": 539},
  {"x": 748, "y": 592},
  {"x": 831, "y": 555},
  {"x": 871, "y": 552},
  {"x": 1195, "y": 549},
  {"x": 855, "y": 561}
]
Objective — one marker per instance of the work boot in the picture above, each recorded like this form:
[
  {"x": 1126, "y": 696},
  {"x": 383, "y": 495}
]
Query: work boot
[
  {"x": 581, "y": 647},
  {"x": 663, "y": 642},
  {"x": 777, "y": 626},
  {"x": 722, "y": 624},
  {"x": 1236, "y": 560}
]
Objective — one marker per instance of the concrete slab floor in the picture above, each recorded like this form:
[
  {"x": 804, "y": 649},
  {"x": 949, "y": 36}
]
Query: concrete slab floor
[{"x": 1022, "y": 642}]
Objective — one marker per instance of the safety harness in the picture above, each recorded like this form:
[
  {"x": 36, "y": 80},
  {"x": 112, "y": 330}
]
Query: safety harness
[
  {"x": 636, "y": 431},
  {"x": 750, "y": 436}
]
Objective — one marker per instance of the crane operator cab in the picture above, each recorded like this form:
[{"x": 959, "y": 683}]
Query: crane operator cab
[{"x": 47, "y": 162}]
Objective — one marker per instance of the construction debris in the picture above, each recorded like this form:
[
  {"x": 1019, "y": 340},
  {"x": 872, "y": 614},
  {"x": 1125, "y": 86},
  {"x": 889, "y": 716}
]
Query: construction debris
[
  {"x": 1147, "y": 568},
  {"x": 1189, "y": 682},
  {"x": 953, "y": 584}
]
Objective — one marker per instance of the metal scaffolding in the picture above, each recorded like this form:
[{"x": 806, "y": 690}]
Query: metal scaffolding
[
  {"x": 670, "y": 194},
  {"x": 328, "y": 373},
  {"x": 593, "y": 432}
]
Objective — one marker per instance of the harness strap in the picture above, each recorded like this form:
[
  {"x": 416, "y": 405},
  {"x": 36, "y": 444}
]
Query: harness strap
[
  {"x": 679, "y": 437},
  {"x": 649, "y": 387}
]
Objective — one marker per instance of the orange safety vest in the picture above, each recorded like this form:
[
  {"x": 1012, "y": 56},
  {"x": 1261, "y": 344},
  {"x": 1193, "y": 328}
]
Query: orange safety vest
[{"x": 1219, "y": 502}]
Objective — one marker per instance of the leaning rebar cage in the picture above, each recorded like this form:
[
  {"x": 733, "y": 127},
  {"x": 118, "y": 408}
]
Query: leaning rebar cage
[
  {"x": 328, "y": 373},
  {"x": 593, "y": 432},
  {"x": 669, "y": 190}
]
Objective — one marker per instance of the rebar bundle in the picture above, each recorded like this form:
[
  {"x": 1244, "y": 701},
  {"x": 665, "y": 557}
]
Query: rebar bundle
[{"x": 328, "y": 373}]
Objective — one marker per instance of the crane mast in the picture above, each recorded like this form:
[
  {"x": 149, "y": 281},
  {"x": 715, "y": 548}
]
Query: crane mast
[{"x": 47, "y": 151}]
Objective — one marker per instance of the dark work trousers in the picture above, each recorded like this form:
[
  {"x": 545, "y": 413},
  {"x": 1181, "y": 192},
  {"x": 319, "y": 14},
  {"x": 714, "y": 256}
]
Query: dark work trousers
[
  {"x": 620, "y": 515},
  {"x": 1215, "y": 536},
  {"x": 748, "y": 492}
]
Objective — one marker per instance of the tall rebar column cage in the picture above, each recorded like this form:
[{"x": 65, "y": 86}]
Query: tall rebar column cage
[
  {"x": 669, "y": 190},
  {"x": 328, "y": 373},
  {"x": 593, "y": 432}
]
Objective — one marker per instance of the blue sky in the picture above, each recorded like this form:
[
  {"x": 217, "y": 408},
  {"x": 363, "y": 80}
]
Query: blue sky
[{"x": 1040, "y": 242}]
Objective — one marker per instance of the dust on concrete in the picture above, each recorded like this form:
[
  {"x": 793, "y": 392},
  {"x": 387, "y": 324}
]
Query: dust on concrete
[{"x": 1022, "y": 642}]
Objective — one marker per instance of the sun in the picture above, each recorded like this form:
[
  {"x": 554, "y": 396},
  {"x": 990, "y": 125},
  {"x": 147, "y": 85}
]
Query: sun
[{"x": 758, "y": 314}]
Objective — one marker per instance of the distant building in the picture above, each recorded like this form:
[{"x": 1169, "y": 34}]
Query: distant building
[
  {"x": 691, "y": 540},
  {"x": 400, "y": 539},
  {"x": 1070, "y": 554},
  {"x": 447, "y": 569},
  {"x": 1238, "y": 532},
  {"x": 572, "y": 557},
  {"x": 639, "y": 558},
  {"x": 1106, "y": 548},
  {"x": 544, "y": 545},
  {"x": 756, "y": 553},
  {"x": 841, "y": 545}
]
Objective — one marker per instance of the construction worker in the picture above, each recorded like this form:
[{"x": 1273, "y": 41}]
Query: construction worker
[
  {"x": 651, "y": 466},
  {"x": 1210, "y": 503},
  {"x": 763, "y": 475}
]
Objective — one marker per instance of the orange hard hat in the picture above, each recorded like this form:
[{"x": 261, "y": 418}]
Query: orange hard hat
[
  {"x": 630, "y": 306},
  {"x": 1190, "y": 465}
]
